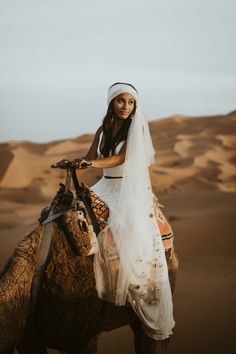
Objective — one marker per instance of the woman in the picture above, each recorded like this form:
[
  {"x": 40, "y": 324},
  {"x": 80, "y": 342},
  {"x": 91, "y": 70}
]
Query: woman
[{"x": 130, "y": 265}]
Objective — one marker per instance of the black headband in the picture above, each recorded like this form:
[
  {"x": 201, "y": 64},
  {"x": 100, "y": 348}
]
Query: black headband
[{"x": 123, "y": 83}]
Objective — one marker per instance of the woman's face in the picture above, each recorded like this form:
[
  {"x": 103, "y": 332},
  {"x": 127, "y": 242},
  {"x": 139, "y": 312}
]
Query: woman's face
[{"x": 124, "y": 105}]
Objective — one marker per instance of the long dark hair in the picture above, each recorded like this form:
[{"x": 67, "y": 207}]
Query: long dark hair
[{"x": 110, "y": 142}]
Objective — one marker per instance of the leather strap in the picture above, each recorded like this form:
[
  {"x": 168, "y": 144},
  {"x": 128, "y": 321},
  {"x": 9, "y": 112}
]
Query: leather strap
[
  {"x": 39, "y": 270},
  {"x": 41, "y": 263},
  {"x": 87, "y": 203},
  {"x": 54, "y": 216},
  {"x": 112, "y": 177}
]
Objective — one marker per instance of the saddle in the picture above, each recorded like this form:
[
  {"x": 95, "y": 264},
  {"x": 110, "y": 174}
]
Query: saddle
[
  {"x": 100, "y": 208},
  {"x": 101, "y": 211}
]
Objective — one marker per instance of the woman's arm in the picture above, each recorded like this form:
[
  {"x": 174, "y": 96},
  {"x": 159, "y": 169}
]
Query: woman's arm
[
  {"x": 110, "y": 161},
  {"x": 107, "y": 162},
  {"x": 92, "y": 153}
]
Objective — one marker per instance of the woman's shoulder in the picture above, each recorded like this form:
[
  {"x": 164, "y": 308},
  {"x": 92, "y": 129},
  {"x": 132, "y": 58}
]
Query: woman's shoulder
[
  {"x": 99, "y": 131},
  {"x": 98, "y": 136},
  {"x": 93, "y": 151}
]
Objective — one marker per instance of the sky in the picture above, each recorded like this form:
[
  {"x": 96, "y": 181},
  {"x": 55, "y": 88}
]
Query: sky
[{"x": 58, "y": 58}]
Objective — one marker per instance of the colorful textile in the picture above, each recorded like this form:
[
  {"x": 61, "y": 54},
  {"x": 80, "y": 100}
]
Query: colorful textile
[{"x": 101, "y": 211}]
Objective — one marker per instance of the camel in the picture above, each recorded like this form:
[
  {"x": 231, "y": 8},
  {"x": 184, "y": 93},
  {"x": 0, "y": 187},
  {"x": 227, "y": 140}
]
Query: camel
[{"x": 69, "y": 316}]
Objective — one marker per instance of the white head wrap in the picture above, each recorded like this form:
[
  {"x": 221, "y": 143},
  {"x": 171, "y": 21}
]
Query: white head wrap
[
  {"x": 142, "y": 266},
  {"x": 117, "y": 89}
]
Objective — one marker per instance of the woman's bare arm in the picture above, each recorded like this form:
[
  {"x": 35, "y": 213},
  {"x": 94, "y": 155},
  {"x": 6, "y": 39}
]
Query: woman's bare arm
[
  {"x": 105, "y": 162},
  {"x": 92, "y": 153},
  {"x": 110, "y": 161}
]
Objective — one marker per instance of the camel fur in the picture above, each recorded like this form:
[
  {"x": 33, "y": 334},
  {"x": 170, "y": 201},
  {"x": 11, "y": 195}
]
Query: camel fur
[{"x": 69, "y": 316}]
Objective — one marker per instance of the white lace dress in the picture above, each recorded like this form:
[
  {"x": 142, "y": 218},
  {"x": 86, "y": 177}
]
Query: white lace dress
[
  {"x": 147, "y": 311},
  {"x": 108, "y": 189}
]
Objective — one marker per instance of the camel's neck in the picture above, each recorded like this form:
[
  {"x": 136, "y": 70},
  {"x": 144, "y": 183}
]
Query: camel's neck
[
  {"x": 16, "y": 278},
  {"x": 15, "y": 285}
]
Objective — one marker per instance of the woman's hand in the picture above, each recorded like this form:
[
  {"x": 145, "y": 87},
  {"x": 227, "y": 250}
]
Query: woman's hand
[
  {"x": 64, "y": 163},
  {"x": 81, "y": 163},
  {"x": 76, "y": 163}
]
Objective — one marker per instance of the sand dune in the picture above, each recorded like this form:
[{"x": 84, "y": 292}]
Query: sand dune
[
  {"x": 29, "y": 165},
  {"x": 66, "y": 147},
  {"x": 199, "y": 148},
  {"x": 195, "y": 178},
  {"x": 184, "y": 144}
]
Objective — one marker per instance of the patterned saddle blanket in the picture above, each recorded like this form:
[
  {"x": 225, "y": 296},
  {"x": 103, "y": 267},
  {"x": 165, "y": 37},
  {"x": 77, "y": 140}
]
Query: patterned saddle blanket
[
  {"x": 101, "y": 211},
  {"x": 100, "y": 208}
]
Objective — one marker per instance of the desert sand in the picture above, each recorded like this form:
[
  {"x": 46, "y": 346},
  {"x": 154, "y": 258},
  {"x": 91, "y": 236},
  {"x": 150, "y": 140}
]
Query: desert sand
[{"x": 195, "y": 179}]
